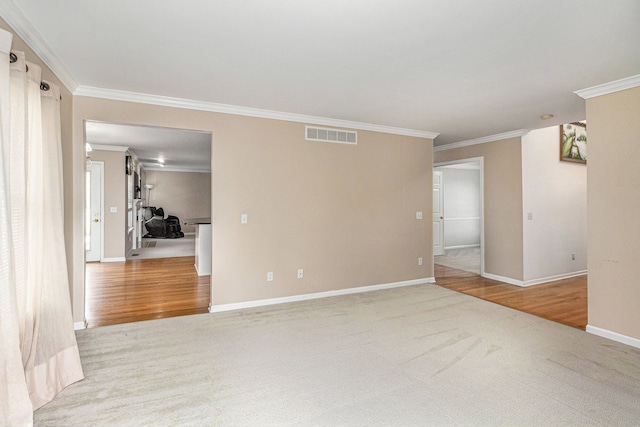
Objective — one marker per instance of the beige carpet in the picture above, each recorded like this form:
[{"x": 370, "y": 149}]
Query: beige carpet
[
  {"x": 413, "y": 356},
  {"x": 165, "y": 248},
  {"x": 465, "y": 259}
]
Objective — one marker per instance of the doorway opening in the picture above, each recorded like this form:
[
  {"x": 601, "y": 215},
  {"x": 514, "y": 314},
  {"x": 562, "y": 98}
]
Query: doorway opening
[
  {"x": 563, "y": 301},
  {"x": 135, "y": 278},
  {"x": 458, "y": 215}
]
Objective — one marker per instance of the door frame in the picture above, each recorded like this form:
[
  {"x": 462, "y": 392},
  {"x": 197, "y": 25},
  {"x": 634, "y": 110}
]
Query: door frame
[
  {"x": 440, "y": 234},
  {"x": 101, "y": 164},
  {"x": 480, "y": 161}
]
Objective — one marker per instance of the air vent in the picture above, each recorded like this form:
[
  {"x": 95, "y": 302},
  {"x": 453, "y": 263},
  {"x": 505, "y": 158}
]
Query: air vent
[{"x": 313, "y": 133}]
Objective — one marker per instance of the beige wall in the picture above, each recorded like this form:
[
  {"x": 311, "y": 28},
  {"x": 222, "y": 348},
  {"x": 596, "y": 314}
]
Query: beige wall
[
  {"x": 555, "y": 193},
  {"x": 502, "y": 203},
  {"x": 345, "y": 214},
  {"x": 612, "y": 210},
  {"x": 66, "y": 108},
  {"x": 115, "y": 195},
  {"x": 183, "y": 194}
]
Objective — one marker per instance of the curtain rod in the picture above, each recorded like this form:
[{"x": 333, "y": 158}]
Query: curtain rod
[{"x": 43, "y": 85}]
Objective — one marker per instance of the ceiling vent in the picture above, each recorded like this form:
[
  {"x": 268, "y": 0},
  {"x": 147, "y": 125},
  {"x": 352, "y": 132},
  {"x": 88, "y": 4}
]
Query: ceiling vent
[{"x": 313, "y": 133}]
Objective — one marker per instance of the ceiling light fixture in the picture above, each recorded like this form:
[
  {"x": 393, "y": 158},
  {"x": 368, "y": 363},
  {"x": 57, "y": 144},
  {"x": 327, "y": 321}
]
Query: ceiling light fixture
[{"x": 546, "y": 116}]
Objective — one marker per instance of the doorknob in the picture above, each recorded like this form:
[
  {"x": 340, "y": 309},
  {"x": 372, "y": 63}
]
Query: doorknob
[{"x": 96, "y": 220}]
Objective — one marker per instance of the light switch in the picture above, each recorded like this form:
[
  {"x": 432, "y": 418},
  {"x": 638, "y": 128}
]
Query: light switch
[
  {"x": 113, "y": 209},
  {"x": 529, "y": 216},
  {"x": 419, "y": 215},
  {"x": 244, "y": 219}
]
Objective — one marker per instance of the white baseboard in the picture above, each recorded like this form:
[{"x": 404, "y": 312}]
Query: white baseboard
[
  {"x": 305, "y": 297},
  {"x": 461, "y": 247},
  {"x": 116, "y": 259},
  {"x": 614, "y": 336},
  {"x": 80, "y": 325},
  {"x": 554, "y": 278},
  {"x": 508, "y": 280},
  {"x": 532, "y": 282}
]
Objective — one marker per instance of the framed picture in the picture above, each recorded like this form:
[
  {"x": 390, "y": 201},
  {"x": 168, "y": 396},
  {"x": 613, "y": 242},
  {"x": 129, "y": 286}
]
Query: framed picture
[{"x": 573, "y": 142}]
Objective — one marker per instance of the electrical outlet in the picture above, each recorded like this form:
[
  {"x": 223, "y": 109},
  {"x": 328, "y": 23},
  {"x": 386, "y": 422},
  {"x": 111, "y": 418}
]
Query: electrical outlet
[
  {"x": 573, "y": 256},
  {"x": 300, "y": 273},
  {"x": 419, "y": 261},
  {"x": 270, "y": 276}
]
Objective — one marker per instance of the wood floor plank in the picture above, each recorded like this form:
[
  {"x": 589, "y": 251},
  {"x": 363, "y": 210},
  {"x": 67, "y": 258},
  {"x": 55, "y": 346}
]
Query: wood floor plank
[
  {"x": 563, "y": 301},
  {"x": 144, "y": 289}
]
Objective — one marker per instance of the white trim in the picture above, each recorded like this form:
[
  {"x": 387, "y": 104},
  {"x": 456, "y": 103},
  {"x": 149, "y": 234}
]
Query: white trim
[
  {"x": 607, "y": 88},
  {"x": 614, "y": 336},
  {"x": 143, "y": 98},
  {"x": 23, "y": 27},
  {"x": 533, "y": 282},
  {"x": 503, "y": 279},
  {"x": 173, "y": 169},
  {"x": 102, "y": 213},
  {"x": 99, "y": 147},
  {"x": 482, "y": 140},
  {"x": 77, "y": 326},
  {"x": 114, "y": 259},
  {"x": 317, "y": 295},
  {"x": 27, "y": 32},
  {"x": 461, "y": 247},
  {"x": 554, "y": 278},
  {"x": 101, "y": 173}
]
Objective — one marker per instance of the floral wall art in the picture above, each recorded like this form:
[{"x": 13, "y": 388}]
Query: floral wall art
[{"x": 573, "y": 142}]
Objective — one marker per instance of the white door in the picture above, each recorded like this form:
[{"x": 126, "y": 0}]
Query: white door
[
  {"x": 93, "y": 212},
  {"x": 438, "y": 214}
]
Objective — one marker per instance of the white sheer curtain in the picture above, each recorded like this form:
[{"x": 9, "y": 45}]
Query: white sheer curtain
[{"x": 39, "y": 351}]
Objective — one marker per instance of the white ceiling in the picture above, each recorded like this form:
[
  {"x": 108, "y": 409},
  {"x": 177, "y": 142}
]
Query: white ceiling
[
  {"x": 156, "y": 148},
  {"x": 465, "y": 69}
]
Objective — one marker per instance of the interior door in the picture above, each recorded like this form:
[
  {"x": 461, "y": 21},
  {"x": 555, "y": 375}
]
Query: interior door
[
  {"x": 93, "y": 212},
  {"x": 438, "y": 214}
]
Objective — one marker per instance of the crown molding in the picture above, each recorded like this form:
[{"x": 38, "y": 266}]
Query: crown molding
[
  {"x": 513, "y": 134},
  {"x": 166, "y": 101},
  {"x": 12, "y": 14},
  {"x": 98, "y": 147},
  {"x": 607, "y": 88},
  {"x": 27, "y": 32}
]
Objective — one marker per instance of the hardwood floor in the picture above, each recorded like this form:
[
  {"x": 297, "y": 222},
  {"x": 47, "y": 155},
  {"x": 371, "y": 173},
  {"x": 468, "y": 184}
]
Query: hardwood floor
[
  {"x": 563, "y": 301},
  {"x": 144, "y": 289}
]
